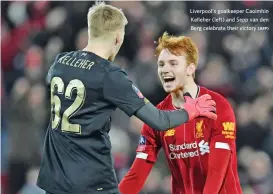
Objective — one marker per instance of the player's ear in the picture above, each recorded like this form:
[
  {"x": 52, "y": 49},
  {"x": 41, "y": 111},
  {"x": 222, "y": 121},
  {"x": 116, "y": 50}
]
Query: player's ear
[
  {"x": 191, "y": 69},
  {"x": 118, "y": 38}
]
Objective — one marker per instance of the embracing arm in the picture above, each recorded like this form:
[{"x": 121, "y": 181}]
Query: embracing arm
[
  {"x": 147, "y": 151},
  {"x": 119, "y": 90},
  {"x": 136, "y": 177},
  {"x": 159, "y": 119},
  {"x": 164, "y": 119}
]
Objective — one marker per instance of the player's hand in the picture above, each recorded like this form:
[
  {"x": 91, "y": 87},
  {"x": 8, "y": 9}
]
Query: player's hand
[{"x": 202, "y": 106}]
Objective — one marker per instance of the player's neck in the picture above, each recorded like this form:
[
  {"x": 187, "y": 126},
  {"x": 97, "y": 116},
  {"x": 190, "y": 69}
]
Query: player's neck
[
  {"x": 178, "y": 96},
  {"x": 191, "y": 88},
  {"x": 98, "y": 49}
]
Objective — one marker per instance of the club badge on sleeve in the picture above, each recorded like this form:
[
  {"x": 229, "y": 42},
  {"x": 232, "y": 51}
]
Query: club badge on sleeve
[
  {"x": 142, "y": 144},
  {"x": 140, "y": 95},
  {"x": 142, "y": 140}
]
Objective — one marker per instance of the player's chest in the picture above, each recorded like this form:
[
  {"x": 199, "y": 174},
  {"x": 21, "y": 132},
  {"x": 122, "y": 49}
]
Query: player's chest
[
  {"x": 188, "y": 142},
  {"x": 195, "y": 132}
]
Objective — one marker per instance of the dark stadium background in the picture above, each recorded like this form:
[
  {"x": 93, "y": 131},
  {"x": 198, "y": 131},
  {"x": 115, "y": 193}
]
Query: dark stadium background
[{"x": 238, "y": 65}]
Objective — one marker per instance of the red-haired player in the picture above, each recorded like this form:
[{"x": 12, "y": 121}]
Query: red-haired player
[{"x": 201, "y": 153}]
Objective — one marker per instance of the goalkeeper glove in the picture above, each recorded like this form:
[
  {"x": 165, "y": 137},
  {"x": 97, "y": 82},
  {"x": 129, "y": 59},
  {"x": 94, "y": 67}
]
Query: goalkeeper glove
[{"x": 201, "y": 106}]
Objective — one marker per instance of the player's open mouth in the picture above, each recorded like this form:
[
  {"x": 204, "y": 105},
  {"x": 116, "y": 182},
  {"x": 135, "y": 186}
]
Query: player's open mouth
[{"x": 168, "y": 79}]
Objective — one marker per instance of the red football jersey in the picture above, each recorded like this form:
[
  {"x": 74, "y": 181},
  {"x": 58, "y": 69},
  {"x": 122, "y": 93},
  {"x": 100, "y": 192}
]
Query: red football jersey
[{"x": 187, "y": 147}]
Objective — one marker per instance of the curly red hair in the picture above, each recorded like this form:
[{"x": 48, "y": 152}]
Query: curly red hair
[{"x": 179, "y": 45}]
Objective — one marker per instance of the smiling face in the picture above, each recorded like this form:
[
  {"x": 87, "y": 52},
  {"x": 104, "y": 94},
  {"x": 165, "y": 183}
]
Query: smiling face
[
  {"x": 177, "y": 61},
  {"x": 173, "y": 71}
]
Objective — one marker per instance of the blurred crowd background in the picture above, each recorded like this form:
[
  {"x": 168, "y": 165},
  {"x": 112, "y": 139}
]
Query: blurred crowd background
[{"x": 237, "y": 64}]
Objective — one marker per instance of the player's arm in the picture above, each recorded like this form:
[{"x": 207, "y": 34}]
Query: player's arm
[
  {"x": 221, "y": 146},
  {"x": 119, "y": 90},
  {"x": 147, "y": 152}
]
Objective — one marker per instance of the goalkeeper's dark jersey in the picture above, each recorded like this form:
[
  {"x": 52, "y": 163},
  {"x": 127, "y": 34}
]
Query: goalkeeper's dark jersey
[{"x": 84, "y": 91}]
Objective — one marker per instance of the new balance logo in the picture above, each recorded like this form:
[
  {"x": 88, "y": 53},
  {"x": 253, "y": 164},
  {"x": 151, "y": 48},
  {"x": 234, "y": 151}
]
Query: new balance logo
[
  {"x": 204, "y": 147},
  {"x": 170, "y": 132}
]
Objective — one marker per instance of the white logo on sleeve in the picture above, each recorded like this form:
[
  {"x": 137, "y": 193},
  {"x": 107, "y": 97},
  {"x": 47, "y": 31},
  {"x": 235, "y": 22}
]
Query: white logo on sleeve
[{"x": 204, "y": 147}]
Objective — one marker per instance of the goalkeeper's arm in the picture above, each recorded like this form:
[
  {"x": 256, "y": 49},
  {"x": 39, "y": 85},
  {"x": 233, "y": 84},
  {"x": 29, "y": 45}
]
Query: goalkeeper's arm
[{"x": 164, "y": 120}]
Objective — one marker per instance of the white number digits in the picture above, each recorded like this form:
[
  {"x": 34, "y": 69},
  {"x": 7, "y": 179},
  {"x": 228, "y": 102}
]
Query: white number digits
[
  {"x": 75, "y": 84},
  {"x": 55, "y": 100},
  {"x": 77, "y": 104}
]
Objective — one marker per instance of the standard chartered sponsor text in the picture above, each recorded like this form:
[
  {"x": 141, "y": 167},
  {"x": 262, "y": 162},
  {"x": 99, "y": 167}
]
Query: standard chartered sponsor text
[
  {"x": 182, "y": 146},
  {"x": 181, "y": 151},
  {"x": 181, "y": 155}
]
